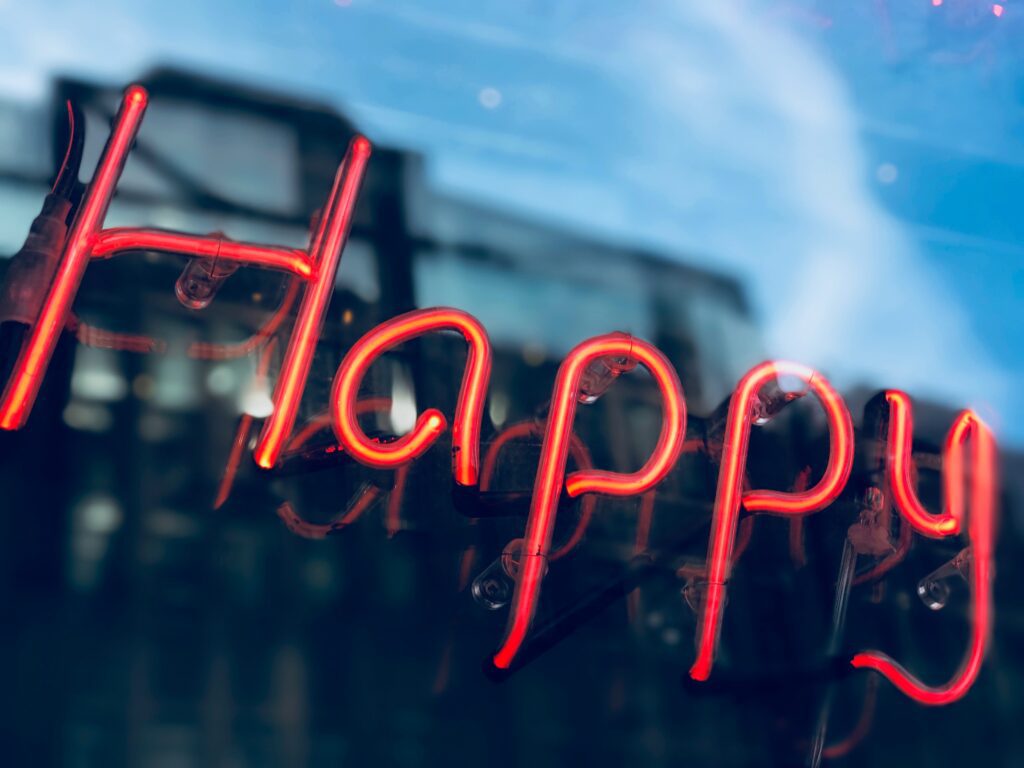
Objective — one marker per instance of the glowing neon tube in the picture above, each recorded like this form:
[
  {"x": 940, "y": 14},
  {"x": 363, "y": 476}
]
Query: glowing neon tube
[
  {"x": 29, "y": 369},
  {"x": 431, "y": 423},
  {"x": 899, "y": 471},
  {"x": 730, "y": 478},
  {"x": 111, "y": 242},
  {"x": 554, "y": 454},
  {"x": 981, "y": 530},
  {"x": 325, "y": 251},
  {"x": 579, "y": 453}
]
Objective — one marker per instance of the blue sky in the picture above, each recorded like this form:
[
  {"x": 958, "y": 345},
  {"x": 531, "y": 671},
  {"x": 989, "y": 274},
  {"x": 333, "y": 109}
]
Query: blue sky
[{"x": 857, "y": 165}]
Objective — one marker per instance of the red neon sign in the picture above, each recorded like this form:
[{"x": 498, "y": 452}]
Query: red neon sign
[
  {"x": 325, "y": 252},
  {"x": 981, "y": 533},
  {"x": 87, "y": 240},
  {"x": 554, "y": 454},
  {"x": 609, "y": 355},
  {"x": 35, "y": 355},
  {"x": 431, "y": 423},
  {"x": 730, "y": 496},
  {"x": 579, "y": 453}
]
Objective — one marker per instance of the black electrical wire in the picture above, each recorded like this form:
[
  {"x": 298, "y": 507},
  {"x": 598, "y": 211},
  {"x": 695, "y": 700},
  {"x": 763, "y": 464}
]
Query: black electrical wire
[{"x": 64, "y": 185}]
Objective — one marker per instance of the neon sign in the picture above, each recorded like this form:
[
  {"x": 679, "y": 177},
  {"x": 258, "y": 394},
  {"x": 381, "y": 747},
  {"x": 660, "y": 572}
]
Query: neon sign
[{"x": 590, "y": 368}]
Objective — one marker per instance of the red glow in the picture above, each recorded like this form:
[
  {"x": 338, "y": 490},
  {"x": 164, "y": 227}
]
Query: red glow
[
  {"x": 393, "y": 517},
  {"x": 900, "y": 464},
  {"x": 367, "y": 497},
  {"x": 35, "y": 355},
  {"x": 86, "y": 240},
  {"x": 205, "y": 350},
  {"x": 110, "y": 242},
  {"x": 554, "y": 454},
  {"x": 91, "y": 336},
  {"x": 227, "y": 479},
  {"x": 729, "y": 495},
  {"x": 846, "y": 745},
  {"x": 323, "y": 420},
  {"x": 997, "y": 10},
  {"x": 325, "y": 251},
  {"x": 431, "y": 423},
  {"x": 981, "y": 531},
  {"x": 891, "y": 560},
  {"x": 579, "y": 454},
  {"x": 936, "y": 3}
]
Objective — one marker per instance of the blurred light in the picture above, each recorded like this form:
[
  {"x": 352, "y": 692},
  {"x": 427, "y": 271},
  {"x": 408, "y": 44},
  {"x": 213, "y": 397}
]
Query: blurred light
[
  {"x": 176, "y": 383},
  {"x": 93, "y": 519},
  {"x": 403, "y": 401},
  {"x": 936, "y": 3},
  {"x": 498, "y": 408},
  {"x": 256, "y": 400},
  {"x": 997, "y": 9},
  {"x": 887, "y": 173},
  {"x": 490, "y": 98},
  {"x": 88, "y": 417},
  {"x": 221, "y": 379},
  {"x": 346, "y": 317},
  {"x": 96, "y": 376},
  {"x": 100, "y": 514}
]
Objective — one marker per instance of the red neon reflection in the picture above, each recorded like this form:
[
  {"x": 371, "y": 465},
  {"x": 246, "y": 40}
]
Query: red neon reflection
[
  {"x": 554, "y": 454},
  {"x": 301, "y": 437},
  {"x": 323, "y": 420},
  {"x": 900, "y": 465},
  {"x": 35, "y": 355},
  {"x": 205, "y": 350},
  {"x": 729, "y": 495},
  {"x": 579, "y": 454},
  {"x": 92, "y": 336},
  {"x": 846, "y": 745},
  {"x": 367, "y": 495},
  {"x": 431, "y": 423},
  {"x": 981, "y": 531},
  {"x": 393, "y": 515},
  {"x": 366, "y": 498},
  {"x": 111, "y": 242},
  {"x": 325, "y": 251},
  {"x": 891, "y": 560}
]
